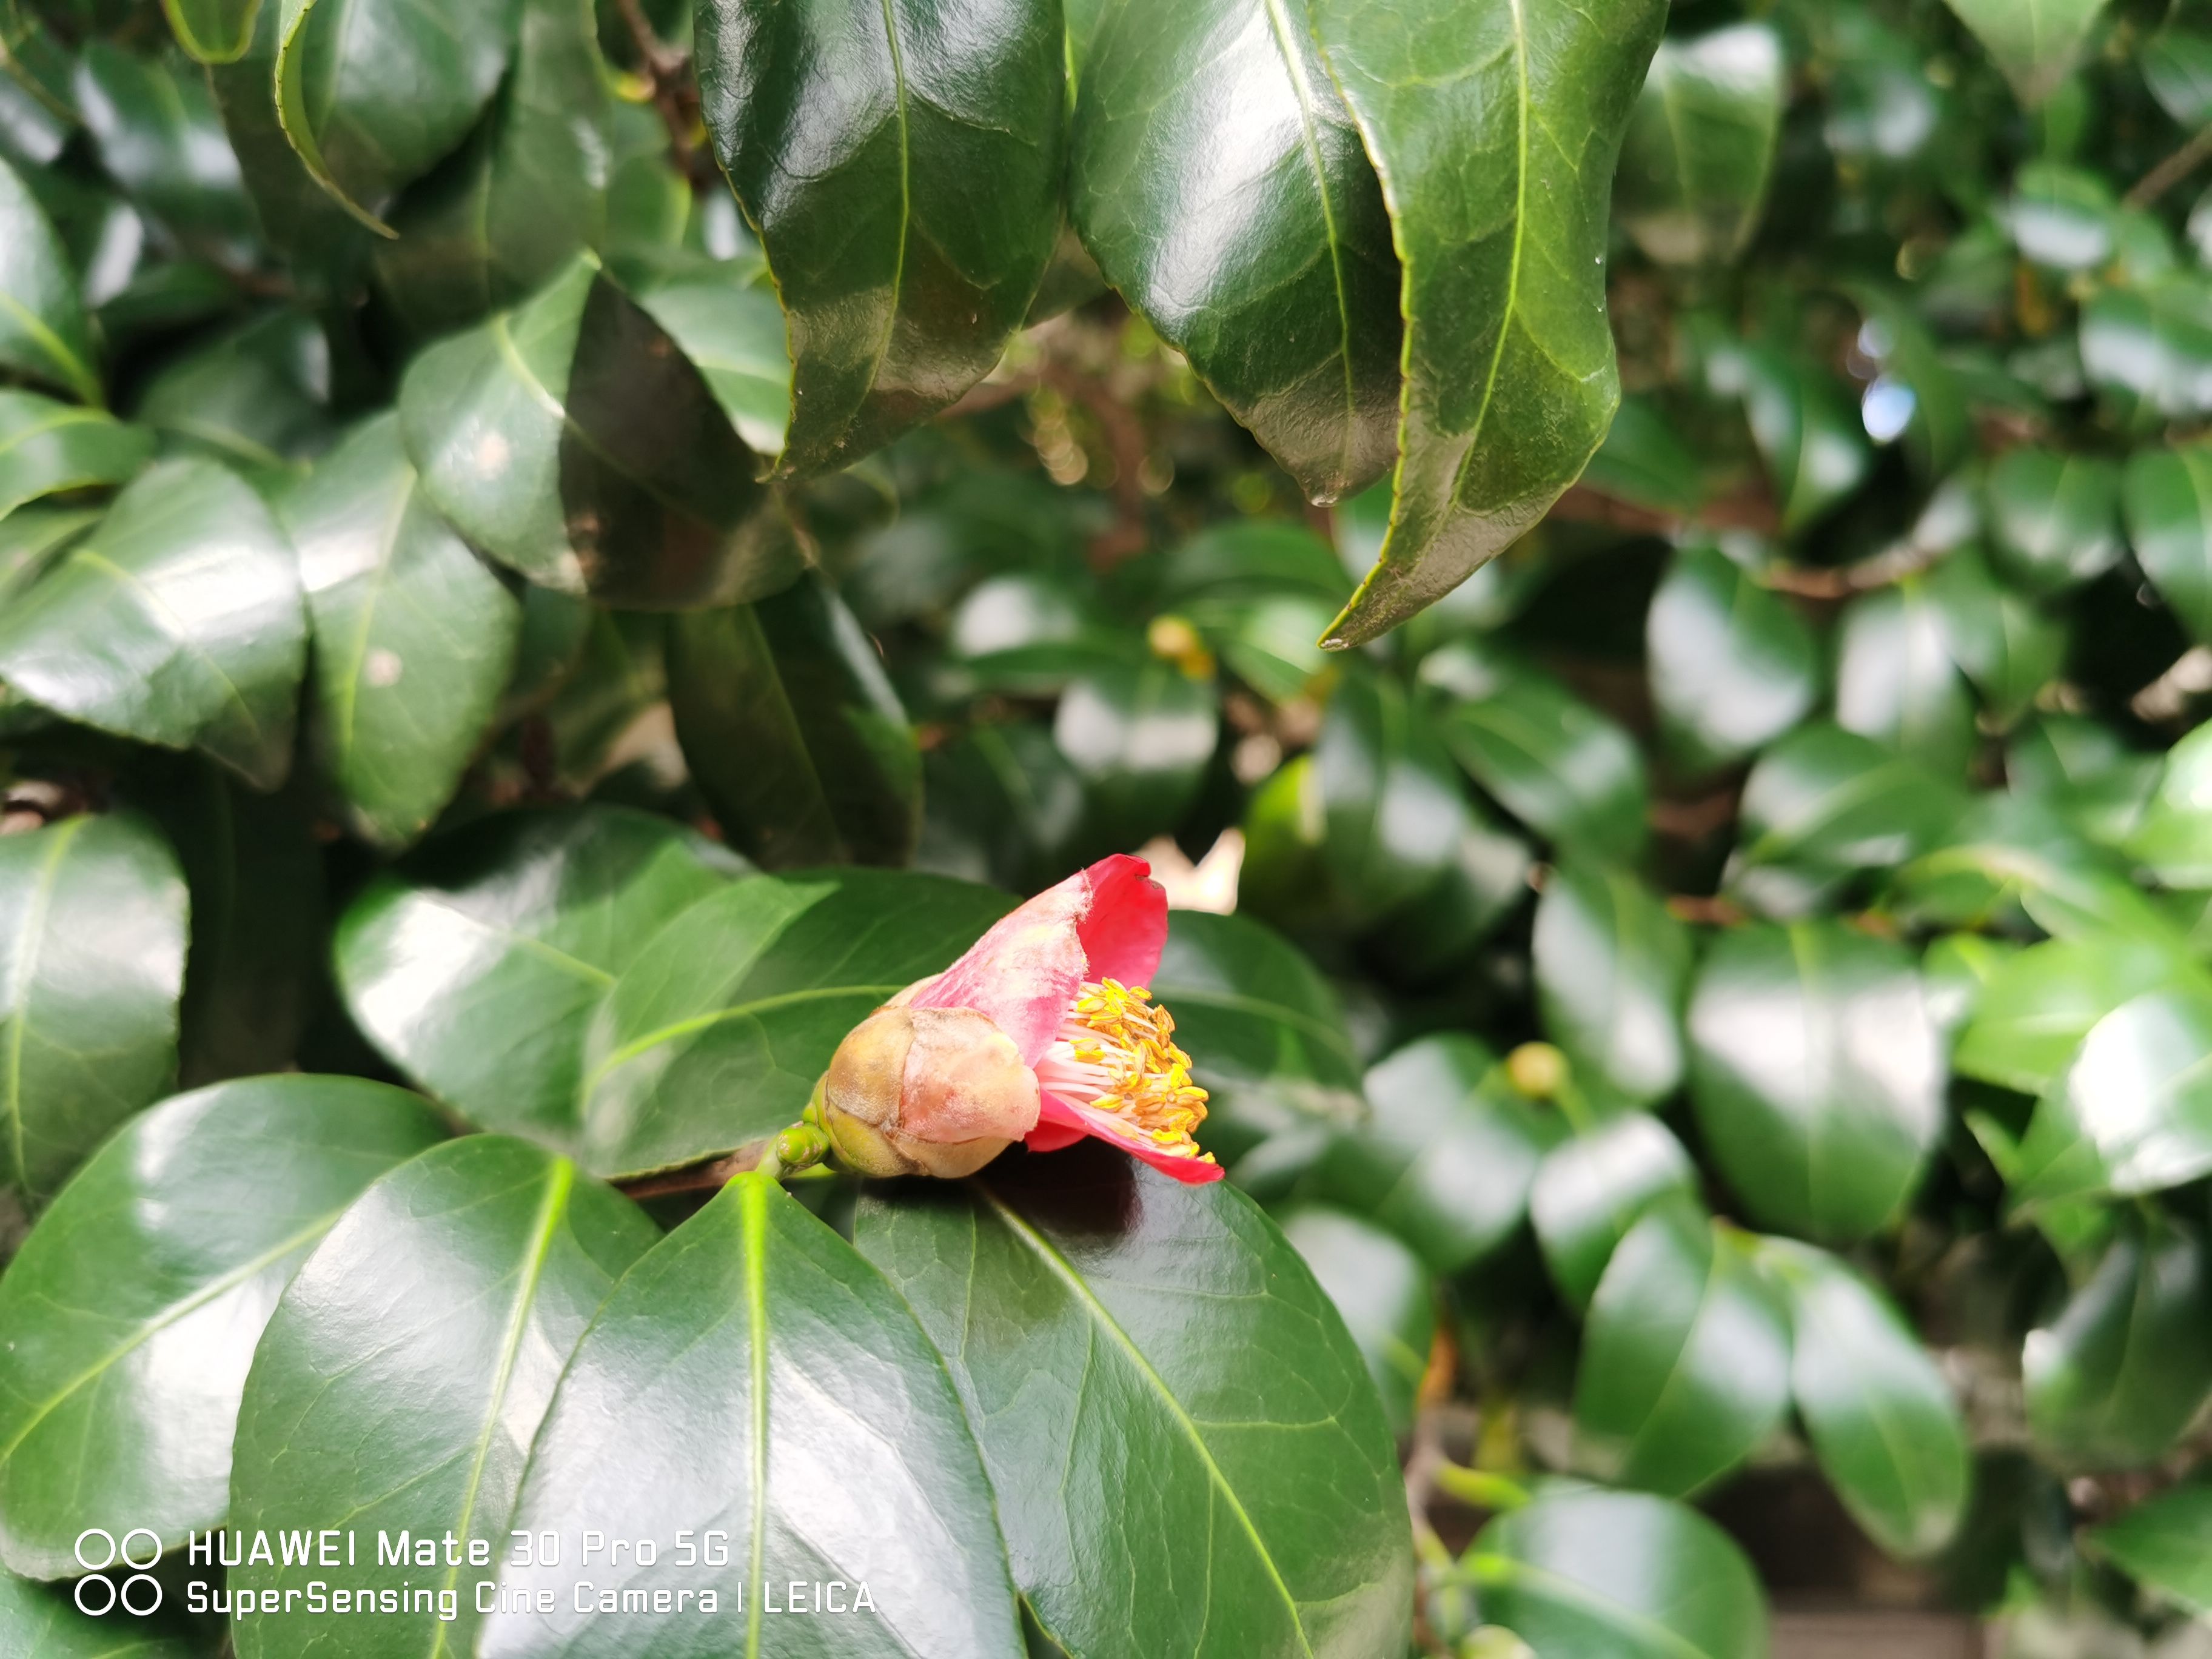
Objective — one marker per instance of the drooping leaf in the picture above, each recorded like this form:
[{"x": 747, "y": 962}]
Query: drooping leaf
[
  {"x": 1816, "y": 1074},
  {"x": 717, "y": 1030},
  {"x": 1443, "y": 1161},
  {"x": 2034, "y": 42},
  {"x": 2133, "y": 1113},
  {"x": 755, "y": 1384},
  {"x": 2116, "y": 1374},
  {"x": 414, "y": 637},
  {"x": 43, "y": 332},
  {"x": 92, "y": 962},
  {"x": 1383, "y": 1292},
  {"x": 176, "y": 621},
  {"x": 1395, "y": 812},
  {"x": 1732, "y": 665},
  {"x": 1590, "y": 1190},
  {"x": 417, "y": 1413},
  {"x": 2055, "y": 518},
  {"x": 1686, "y": 1357},
  {"x": 374, "y": 93},
  {"x": 159, "y": 137},
  {"x": 570, "y": 438},
  {"x": 1495, "y": 130},
  {"x": 904, "y": 164},
  {"x": 1694, "y": 166},
  {"x": 792, "y": 732},
  {"x": 133, "y": 1307},
  {"x": 1885, "y": 1425},
  {"x": 1611, "y": 968},
  {"x": 2168, "y": 496},
  {"x": 49, "y": 448},
  {"x": 1896, "y": 681},
  {"x": 2165, "y": 1544},
  {"x": 1222, "y": 112},
  {"x": 476, "y": 965},
  {"x": 1060, "y": 1291}
]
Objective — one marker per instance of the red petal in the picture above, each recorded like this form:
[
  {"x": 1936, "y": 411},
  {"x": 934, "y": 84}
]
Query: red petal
[
  {"x": 1061, "y": 1123},
  {"x": 1127, "y": 921},
  {"x": 1025, "y": 972}
]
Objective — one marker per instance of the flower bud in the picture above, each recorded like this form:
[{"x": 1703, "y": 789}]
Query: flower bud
[{"x": 936, "y": 1091}]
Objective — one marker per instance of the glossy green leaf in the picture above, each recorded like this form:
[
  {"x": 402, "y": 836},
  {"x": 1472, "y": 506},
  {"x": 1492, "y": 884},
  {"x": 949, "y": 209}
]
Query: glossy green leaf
[
  {"x": 36, "y": 1621},
  {"x": 1195, "y": 118},
  {"x": 1061, "y": 1290},
  {"x": 176, "y": 621},
  {"x": 1885, "y": 1425},
  {"x": 1395, "y": 812},
  {"x": 92, "y": 940},
  {"x": 2061, "y": 217},
  {"x": 717, "y": 1030},
  {"x": 374, "y": 93},
  {"x": 792, "y": 732},
  {"x": 2150, "y": 347},
  {"x": 1816, "y": 1074},
  {"x": 1611, "y": 967},
  {"x": 1444, "y": 1160},
  {"x": 1732, "y": 665},
  {"x": 1824, "y": 801},
  {"x": 415, "y": 1415},
  {"x": 2038, "y": 1005},
  {"x": 1810, "y": 435},
  {"x": 1583, "y": 1572},
  {"x": 570, "y": 438},
  {"x": 2173, "y": 838},
  {"x": 1686, "y": 1357},
  {"x": 2008, "y": 856},
  {"x": 1590, "y": 1190},
  {"x": 2168, "y": 494},
  {"x": 2034, "y": 42},
  {"x": 43, "y": 332},
  {"x": 159, "y": 137},
  {"x": 1001, "y": 805},
  {"x": 1495, "y": 130},
  {"x": 1562, "y": 769},
  {"x": 1138, "y": 734},
  {"x": 2116, "y": 1374},
  {"x": 476, "y": 965},
  {"x": 1896, "y": 682},
  {"x": 2133, "y": 1113},
  {"x": 2165, "y": 1544},
  {"x": 1381, "y": 1292},
  {"x": 755, "y": 1384},
  {"x": 213, "y": 31},
  {"x": 2005, "y": 642},
  {"x": 255, "y": 396},
  {"x": 2055, "y": 519},
  {"x": 1265, "y": 1032},
  {"x": 49, "y": 448},
  {"x": 904, "y": 164},
  {"x": 525, "y": 193},
  {"x": 732, "y": 331},
  {"x": 2087, "y": 772},
  {"x": 414, "y": 636},
  {"x": 2177, "y": 65},
  {"x": 133, "y": 1307},
  {"x": 1694, "y": 166}
]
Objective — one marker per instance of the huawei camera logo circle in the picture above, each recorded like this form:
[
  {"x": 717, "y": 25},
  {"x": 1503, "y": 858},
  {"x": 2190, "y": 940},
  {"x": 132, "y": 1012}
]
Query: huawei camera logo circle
[{"x": 96, "y": 1551}]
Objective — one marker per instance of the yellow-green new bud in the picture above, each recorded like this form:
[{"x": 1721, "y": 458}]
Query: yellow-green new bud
[{"x": 936, "y": 1091}]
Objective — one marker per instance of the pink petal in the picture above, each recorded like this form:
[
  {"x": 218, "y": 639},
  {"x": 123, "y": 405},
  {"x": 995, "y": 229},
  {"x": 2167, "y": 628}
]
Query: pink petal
[
  {"x": 1127, "y": 921},
  {"x": 1024, "y": 973},
  {"x": 1061, "y": 1123}
]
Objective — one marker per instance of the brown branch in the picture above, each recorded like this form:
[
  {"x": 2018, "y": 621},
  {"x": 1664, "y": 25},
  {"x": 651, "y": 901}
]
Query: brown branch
[
  {"x": 707, "y": 1177},
  {"x": 2172, "y": 171},
  {"x": 675, "y": 93}
]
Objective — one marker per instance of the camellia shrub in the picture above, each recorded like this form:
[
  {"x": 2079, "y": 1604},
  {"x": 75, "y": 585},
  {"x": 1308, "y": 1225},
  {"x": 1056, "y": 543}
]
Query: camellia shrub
[{"x": 971, "y": 830}]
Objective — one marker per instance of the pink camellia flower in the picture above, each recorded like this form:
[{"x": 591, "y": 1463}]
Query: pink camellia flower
[{"x": 1042, "y": 1032}]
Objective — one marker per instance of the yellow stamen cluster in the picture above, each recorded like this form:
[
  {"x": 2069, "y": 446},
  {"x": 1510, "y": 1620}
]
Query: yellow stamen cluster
[{"x": 1121, "y": 1043}]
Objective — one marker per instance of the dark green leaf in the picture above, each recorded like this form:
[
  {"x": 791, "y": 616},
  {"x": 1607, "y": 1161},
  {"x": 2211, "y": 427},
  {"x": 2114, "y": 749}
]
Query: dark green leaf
[
  {"x": 2149, "y": 348},
  {"x": 213, "y": 31},
  {"x": 1732, "y": 665},
  {"x": 2116, "y": 1376},
  {"x": 2039, "y": 1006},
  {"x": 47, "y": 448},
  {"x": 1826, "y": 801},
  {"x": 904, "y": 164},
  {"x": 1138, "y": 735},
  {"x": 2087, "y": 772},
  {"x": 414, "y": 637},
  {"x": 1644, "y": 462},
  {"x": 2007, "y": 644},
  {"x": 1581, "y": 1571},
  {"x": 570, "y": 438},
  {"x": 38, "y": 1622},
  {"x": 732, "y": 330},
  {"x": 1061, "y": 1290},
  {"x": 1811, "y": 438},
  {"x": 1382, "y": 1291},
  {"x": 1686, "y": 1357},
  {"x": 2055, "y": 518},
  {"x": 2133, "y": 1113},
  {"x": 476, "y": 965},
  {"x": 1590, "y": 1190},
  {"x": 176, "y": 621},
  {"x": 1443, "y": 1162},
  {"x": 92, "y": 937},
  {"x": 1495, "y": 130},
  {"x": 415, "y": 1412},
  {"x": 2034, "y": 44},
  {"x": 256, "y": 397},
  {"x": 133, "y": 1307},
  {"x": 1694, "y": 166},
  {"x": 792, "y": 732},
  {"x": 1817, "y": 1075},
  {"x": 1395, "y": 811},
  {"x": 716, "y": 1031},
  {"x": 2165, "y": 1544},
  {"x": 1887, "y": 1432},
  {"x": 2168, "y": 496},
  {"x": 1611, "y": 967},
  {"x": 1292, "y": 320},
  {"x": 374, "y": 93},
  {"x": 159, "y": 137},
  {"x": 1896, "y": 682},
  {"x": 43, "y": 332},
  {"x": 2177, "y": 65},
  {"x": 755, "y": 1384}
]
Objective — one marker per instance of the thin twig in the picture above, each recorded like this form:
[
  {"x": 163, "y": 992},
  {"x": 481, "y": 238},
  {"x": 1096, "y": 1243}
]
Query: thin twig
[
  {"x": 707, "y": 1177},
  {"x": 675, "y": 93},
  {"x": 2172, "y": 171}
]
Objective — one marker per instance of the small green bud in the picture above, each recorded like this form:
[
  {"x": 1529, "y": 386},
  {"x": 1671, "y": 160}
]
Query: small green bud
[
  {"x": 801, "y": 1146},
  {"x": 1537, "y": 1070}
]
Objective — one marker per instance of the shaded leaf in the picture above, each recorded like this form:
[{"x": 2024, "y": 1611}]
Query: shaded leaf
[
  {"x": 1810, "y": 435},
  {"x": 159, "y": 137},
  {"x": 2165, "y": 1544},
  {"x": 2007, "y": 644},
  {"x": 1824, "y": 802},
  {"x": 256, "y": 397},
  {"x": 1381, "y": 1292},
  {"x": 43, "y": 333},
  {"x": 36, "y": 1621},
  {"x": 2168, "y": 496},
  {"x": 1694, "y": 165},
  {"x": 49, "y": 448},
  {"x": 732, "y": 331}
]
